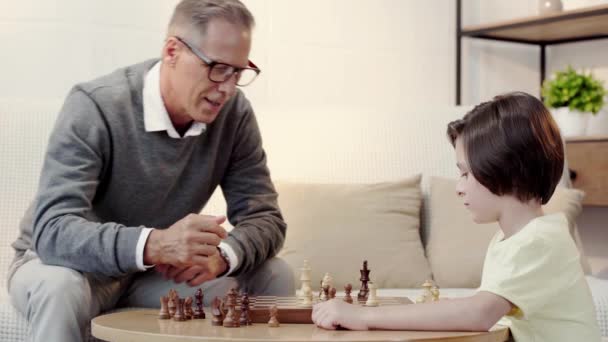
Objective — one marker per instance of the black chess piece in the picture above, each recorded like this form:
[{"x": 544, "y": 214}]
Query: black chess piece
[
  {"x": 199, "y": 312},
  {"x": 347, "y": 290},
  {"x": 364, "y": 291},
  {"x": 245, "y": 316}
]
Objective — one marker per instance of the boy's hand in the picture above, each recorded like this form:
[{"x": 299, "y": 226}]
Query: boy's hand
[{"x": 336, "y": 313}]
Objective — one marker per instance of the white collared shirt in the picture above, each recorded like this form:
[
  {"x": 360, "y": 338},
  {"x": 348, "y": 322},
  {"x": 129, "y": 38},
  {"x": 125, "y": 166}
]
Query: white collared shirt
[{"x": 156, "y": 118}]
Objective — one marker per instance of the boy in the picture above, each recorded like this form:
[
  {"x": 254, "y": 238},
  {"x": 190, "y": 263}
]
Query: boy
[{"x": 510, "y": 156}]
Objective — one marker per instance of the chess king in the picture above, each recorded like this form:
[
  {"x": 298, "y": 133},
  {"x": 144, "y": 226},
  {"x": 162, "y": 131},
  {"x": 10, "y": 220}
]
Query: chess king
[
  {"x": 510, "y": 156},
  {"x": 132, "y": 156}
]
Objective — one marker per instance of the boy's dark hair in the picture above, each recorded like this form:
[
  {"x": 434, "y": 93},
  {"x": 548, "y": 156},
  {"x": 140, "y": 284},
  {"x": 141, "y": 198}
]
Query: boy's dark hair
[{"x": 513, "y": 146}]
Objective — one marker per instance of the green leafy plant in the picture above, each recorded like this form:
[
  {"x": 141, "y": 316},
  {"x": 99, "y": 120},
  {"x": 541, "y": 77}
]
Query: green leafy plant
[{"x": 577, "y": 91}]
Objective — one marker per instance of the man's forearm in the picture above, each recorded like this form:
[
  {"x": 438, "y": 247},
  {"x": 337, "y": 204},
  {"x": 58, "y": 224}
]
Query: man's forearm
[{"x": 74, "y": 242}]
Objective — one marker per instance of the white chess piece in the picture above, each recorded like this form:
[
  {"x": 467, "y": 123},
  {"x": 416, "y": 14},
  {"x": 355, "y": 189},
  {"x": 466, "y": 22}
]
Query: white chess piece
[
  {"x": 307, "y": 297},
  {"x": 372, "y": 299},
  {"x": 427, "y": 294},
  {"x": 305, "y": 278},
  {"x": 327, "y": 280}
]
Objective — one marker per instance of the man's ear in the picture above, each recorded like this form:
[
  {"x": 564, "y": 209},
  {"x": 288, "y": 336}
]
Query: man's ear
[{"x": 170, "y": 52}]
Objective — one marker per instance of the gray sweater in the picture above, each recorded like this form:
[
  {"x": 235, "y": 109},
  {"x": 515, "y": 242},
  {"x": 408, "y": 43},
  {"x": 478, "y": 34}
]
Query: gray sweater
[{"x": 104, "y": 178}]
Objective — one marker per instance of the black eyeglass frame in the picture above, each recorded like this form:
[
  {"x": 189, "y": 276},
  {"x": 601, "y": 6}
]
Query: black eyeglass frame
[{"x": 211, "y": 64}]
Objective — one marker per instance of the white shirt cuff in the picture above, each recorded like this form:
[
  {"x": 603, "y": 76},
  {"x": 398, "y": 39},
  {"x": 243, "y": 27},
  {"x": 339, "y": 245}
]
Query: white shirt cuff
[
  {"x": 234, "y": 260},
  {"x": 139, "y": 250}
]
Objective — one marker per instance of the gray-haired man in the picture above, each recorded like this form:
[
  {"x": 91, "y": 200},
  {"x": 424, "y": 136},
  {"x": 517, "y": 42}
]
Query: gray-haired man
[{"x": 132, "y": 156}]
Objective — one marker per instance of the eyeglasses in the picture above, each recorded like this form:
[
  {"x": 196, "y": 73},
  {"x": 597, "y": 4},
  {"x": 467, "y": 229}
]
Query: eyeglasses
[{"x": 222, "y": 72}]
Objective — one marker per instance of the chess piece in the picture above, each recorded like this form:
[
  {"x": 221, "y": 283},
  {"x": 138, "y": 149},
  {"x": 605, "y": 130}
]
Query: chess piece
[
  {"x": 164, "y": 310},
  {"x": 173, "y": 299},
  {"x": 427, "y": 295},
  {"x": 321, "y": 290},
  {"x": 332, "y": 293},
  {"x": 434, "y": 293},
  {"x": 362, "y": 295},
  {"x": 245, "y": 317},
  {"x": 305, "y": 278},
  {"x": 179, "y": 313},
  {"x": 188, "y": 308},
  {"x": 199, "y": 312},
  {"x": 347, "y": 297},
  {"x": 328, "y": 280},
  {"x": 231, "y": 320},
  {"x": 307, "y": 297},
  {"x": 274, "y": 321},
  {"x": 217, "y": 311},
  {"x": 325, "y": 293},
  {"x": 372, "y": 300}
]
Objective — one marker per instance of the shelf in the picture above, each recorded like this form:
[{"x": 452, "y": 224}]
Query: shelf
[
  {"x": 567, "y": 26},
  {"x": 589, "y": 138}
]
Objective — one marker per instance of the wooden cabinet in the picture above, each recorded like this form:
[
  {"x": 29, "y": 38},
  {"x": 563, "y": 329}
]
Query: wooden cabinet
[{"x": 588, "y": 163}]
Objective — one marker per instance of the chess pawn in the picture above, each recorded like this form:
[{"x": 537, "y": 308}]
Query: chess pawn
[
  {"x": 372, "y": 300},
  {"x": 164, "y": 311},
  {"x": 332, "y": 293},
  {"x": 217, "y": 311},
  {"x": 347, "y": 297},
  {"x": 179, "y": 313},
  {"x": 274, "y": 321}
]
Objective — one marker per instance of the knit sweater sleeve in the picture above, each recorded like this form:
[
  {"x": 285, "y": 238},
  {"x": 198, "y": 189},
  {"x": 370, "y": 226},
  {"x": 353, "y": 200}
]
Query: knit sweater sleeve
[
  {"x": 65, "y": 230},
  {"x": 251, "y": 199}
]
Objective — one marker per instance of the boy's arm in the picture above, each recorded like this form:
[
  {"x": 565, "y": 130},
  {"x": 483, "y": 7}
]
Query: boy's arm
[{"x": 477, "y": 313}]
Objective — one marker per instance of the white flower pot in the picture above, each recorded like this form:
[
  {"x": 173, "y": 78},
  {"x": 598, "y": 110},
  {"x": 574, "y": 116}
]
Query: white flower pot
[
  {"x": 572, "y": 123},
  {"x": 597, "y": 125}
]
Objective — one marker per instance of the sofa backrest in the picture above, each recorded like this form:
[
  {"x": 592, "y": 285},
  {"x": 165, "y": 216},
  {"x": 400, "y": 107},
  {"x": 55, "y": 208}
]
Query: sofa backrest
[
  {"x": 25, "y": 129},
  {"x": 356, "y": 145}
]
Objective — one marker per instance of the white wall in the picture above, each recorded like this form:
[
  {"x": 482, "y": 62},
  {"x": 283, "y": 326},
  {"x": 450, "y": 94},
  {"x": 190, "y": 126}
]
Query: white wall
[{"x": 331, "y": 52}]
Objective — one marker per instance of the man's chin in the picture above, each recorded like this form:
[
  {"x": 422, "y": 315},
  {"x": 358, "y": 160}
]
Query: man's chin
[{"x": 206, "y": 117}]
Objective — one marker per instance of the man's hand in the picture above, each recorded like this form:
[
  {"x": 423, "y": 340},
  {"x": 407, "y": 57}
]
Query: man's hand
[
  {"x": 190, "y": 241},
  {"x": 194, "y": 275},
  {"x": 337, "y": 313}
]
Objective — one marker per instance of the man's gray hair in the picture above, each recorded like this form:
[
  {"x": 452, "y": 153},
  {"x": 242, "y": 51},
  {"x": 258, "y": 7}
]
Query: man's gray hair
[{"x": 191, "y": 17}]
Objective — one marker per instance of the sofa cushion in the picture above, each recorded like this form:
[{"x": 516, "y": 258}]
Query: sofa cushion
[
  {"x": 337, "y": 226},
  {"x": 456, "y": 246}
]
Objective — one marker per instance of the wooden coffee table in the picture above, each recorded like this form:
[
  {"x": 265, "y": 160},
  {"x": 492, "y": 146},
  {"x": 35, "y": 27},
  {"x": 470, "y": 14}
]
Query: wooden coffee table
[{"x": 144, "y": 325}]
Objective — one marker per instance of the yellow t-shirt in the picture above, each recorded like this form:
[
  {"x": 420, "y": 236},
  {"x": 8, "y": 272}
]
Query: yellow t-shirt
[{"x": 538, "y": 270}]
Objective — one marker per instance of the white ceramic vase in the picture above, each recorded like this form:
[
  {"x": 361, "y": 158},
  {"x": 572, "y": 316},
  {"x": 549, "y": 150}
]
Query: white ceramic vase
[
  {"x": 549, "y": 7},
  {"x": 597, "y": 125},
  {"x": 572, "y": 123}
]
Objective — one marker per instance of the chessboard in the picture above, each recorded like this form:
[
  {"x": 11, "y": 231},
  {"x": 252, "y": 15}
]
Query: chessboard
[{"x": 291, "y": 311}]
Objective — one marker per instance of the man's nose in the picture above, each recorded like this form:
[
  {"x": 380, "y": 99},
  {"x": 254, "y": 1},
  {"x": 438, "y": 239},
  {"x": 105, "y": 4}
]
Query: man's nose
[{"x": 229, "y": 85}]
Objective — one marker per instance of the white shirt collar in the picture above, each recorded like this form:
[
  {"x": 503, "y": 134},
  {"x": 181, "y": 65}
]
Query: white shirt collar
[{"x": 156, "y": 117}]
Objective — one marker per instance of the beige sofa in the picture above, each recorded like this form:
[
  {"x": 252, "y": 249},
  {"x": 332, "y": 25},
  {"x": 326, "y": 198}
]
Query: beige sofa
[{"x": 354, "y": 184}]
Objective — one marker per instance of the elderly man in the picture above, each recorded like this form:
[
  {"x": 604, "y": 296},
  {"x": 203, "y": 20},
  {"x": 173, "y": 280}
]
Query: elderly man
[{"x": 133, "y": 157}]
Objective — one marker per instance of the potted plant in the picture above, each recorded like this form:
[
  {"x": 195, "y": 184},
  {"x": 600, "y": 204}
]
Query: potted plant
[{"x": 575, "y": 97}]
